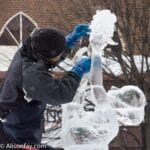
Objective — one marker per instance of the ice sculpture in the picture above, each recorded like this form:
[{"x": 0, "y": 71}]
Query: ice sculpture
[
  {"x": 129, "y": 103},
  {"x": 92, "y": 130}
]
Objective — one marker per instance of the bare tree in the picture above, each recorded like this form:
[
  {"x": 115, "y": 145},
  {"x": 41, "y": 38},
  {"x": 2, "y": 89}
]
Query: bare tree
[{"x": 134, "y": 25}]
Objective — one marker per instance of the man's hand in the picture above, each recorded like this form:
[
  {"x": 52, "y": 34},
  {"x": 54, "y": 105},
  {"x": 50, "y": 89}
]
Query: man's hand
[
  {"x": 82, "y": 66},
  {"x": 80, "y": 30}
]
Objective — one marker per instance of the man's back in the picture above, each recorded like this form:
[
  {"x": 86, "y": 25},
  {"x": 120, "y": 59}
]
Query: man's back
[{"x": 22, "y": 120}]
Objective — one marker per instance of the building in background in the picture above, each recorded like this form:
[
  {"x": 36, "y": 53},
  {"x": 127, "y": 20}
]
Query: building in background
[{"x": 18, "y": 19}]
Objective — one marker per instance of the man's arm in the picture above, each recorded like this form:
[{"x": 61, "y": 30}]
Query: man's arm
[{"x": 39, "y": 85}]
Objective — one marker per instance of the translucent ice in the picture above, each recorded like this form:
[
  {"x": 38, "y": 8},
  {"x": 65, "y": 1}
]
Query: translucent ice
[
  {"x": 92, "y": 130},
  {"x": 102, "y": 26},
  {"x": 129, "y": 103}
]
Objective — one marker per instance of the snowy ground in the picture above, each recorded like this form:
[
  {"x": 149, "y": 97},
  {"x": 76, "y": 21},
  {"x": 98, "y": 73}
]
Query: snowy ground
[
  {"x": 7, "y": 53},
  {"x": 115, "y": 66}
]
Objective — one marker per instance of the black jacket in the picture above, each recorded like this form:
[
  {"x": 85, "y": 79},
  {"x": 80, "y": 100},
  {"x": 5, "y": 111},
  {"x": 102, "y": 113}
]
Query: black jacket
[{"x": 27, "y": 89}]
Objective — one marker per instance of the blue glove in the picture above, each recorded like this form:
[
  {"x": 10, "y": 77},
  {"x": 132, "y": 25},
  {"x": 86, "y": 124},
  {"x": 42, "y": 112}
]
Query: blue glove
[
  {"x": 82, "y": 66},
  {"x": 79, "y": 31}
]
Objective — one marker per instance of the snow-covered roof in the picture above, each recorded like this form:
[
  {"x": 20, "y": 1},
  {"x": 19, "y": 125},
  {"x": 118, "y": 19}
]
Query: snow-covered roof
[{"x": 6, "y": 55}]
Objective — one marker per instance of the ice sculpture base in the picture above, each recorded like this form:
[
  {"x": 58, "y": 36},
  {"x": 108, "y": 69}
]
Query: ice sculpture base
[{"x": 88, "y": 147}]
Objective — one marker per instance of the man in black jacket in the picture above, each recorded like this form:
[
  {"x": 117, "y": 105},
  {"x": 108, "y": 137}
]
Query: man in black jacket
[{"x": 28, "y": 87}]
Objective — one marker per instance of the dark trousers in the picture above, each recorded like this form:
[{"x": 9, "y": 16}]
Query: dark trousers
[{"x": 3, "y": 138}]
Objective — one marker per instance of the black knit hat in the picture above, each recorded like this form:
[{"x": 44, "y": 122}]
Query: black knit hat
[{"x": 48, "y": 42}]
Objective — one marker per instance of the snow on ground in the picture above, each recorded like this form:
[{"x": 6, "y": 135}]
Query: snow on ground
[
  {"x": 111, "y": 64},
  {"x": 7, "y": 53},
  {"x": 115, "y": 66}
]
